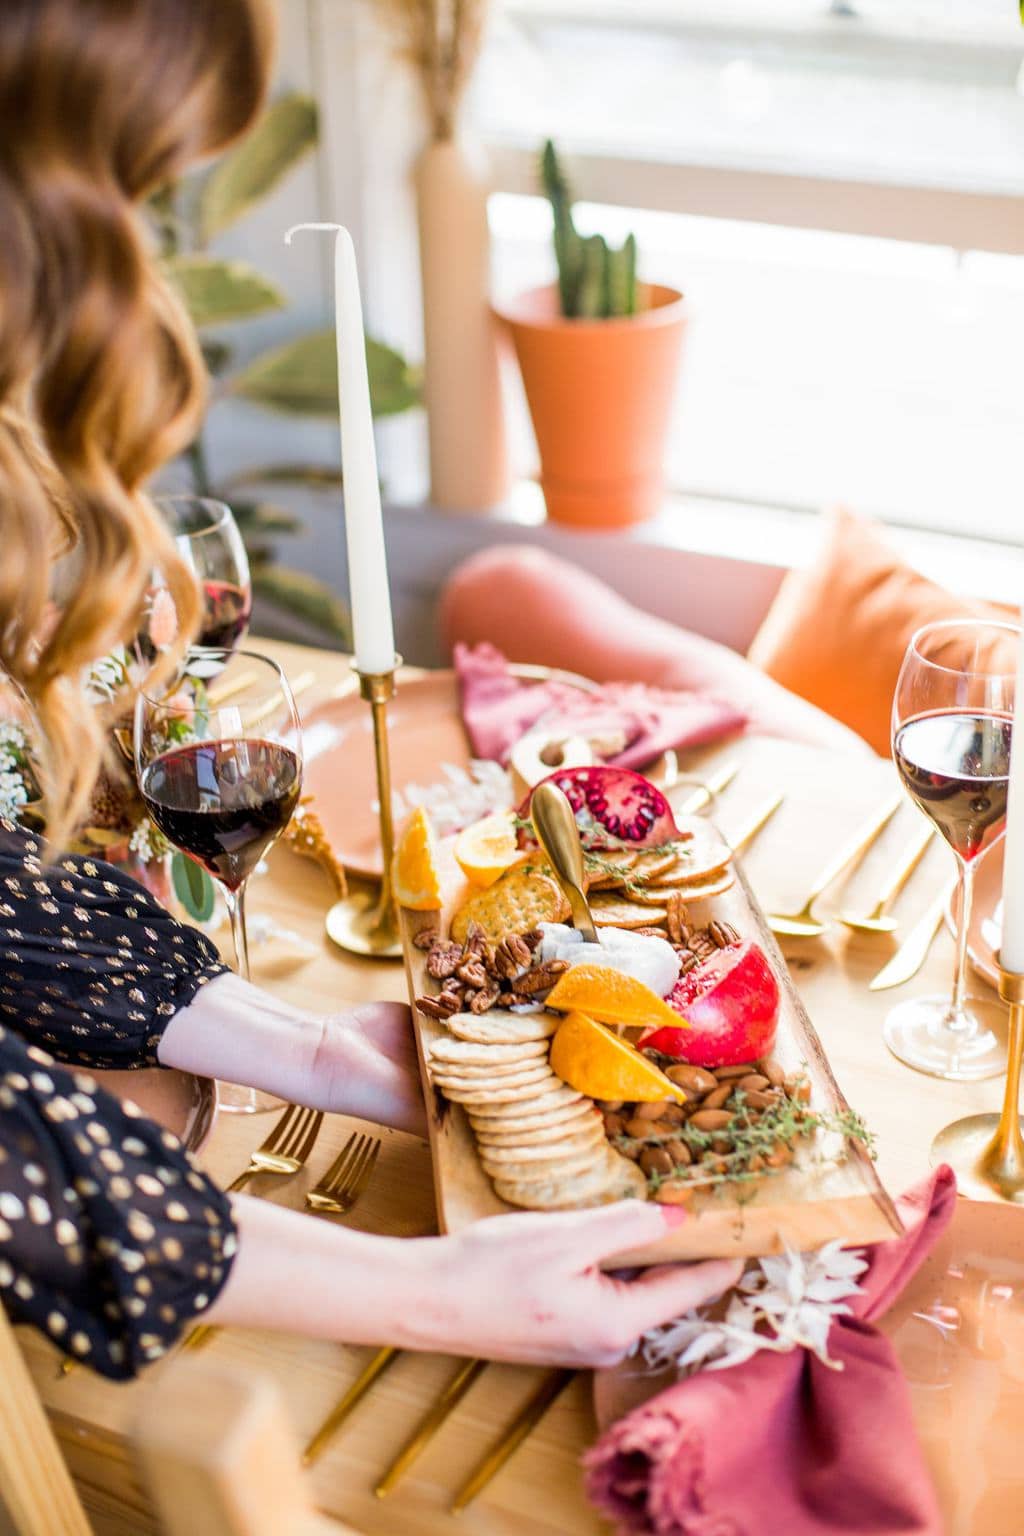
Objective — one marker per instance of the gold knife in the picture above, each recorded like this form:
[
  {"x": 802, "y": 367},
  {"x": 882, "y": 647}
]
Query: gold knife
[
  {"x": 706, "y": 790},
  {"x": 554, "y": 1383},
  {"x": 431, "y": 1422},
  {"x": 351, "y": 1399},
  {"x": 913, "y": 952},
  {"x": 747, "y": 830}
]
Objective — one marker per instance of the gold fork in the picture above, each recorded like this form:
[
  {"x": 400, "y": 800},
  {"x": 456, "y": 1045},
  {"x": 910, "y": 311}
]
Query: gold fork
[
  {"x": 286, "y": 1148},
  {"x": 284, "y": 1151},
  {"x": 340, "y": 1187}
]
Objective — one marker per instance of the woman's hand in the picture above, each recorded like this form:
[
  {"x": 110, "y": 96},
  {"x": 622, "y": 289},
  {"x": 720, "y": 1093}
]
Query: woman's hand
[
  {"x": 523, "y": 1287},
  {"x": 361, "y": 1061},
  {"x": 528, "y": 1287}
]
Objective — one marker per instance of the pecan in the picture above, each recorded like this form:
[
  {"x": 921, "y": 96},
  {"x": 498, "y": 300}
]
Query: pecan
[
  {"x": 426, "y": 938},
  {"x": 532, "y": 938},
  {"x": 473, "y": 973},
  {"x": 481, "y": 1001},
  {"x": 675, "y": 913},
  {"x": 476, "y": 942},
  {"x": 650, "y": 933},
  {"x": 511, "y": 956},
  {"x": 719, "y": 935},
  {"x": 541, "y": 977},
  {"x": 444, "y": 960},
  {"x": 687, "y": 961},
  {"x": 438, "y": 1007}
]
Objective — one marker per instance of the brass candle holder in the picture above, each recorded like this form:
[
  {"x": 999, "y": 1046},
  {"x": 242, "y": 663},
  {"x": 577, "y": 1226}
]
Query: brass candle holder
[
  {"x": 987, "y": 1151},
  {"x": 366, "y": 922}
]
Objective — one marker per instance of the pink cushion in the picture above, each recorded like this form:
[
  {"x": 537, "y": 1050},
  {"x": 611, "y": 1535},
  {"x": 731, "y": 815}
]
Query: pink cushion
[{"x": 538, "y": 608}]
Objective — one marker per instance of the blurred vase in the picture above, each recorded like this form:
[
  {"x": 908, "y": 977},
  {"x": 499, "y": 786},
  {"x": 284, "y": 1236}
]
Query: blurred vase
[
  {"x": 462, "y": 382},
  {"x": 600, "y": 394}
]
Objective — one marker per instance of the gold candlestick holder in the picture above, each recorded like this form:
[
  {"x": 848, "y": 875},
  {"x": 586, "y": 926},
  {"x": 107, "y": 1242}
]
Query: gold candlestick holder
[
  {"x": 987, "y": 1151},
  {"x": 365, "y": 922}
]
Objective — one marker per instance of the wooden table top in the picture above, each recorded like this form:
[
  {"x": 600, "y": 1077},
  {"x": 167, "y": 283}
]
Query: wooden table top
[{"x": 538, "y": 1492}]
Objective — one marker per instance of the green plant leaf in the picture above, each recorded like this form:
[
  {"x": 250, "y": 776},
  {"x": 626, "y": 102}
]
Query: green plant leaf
[
  {"x": 217, "y": 292},
  {"x": 260, "y": 518},
  {"x": 285, "y": 132},
  {"x": 193, "y": 888},
  {"x": 301, "y": 378},
  {"x": 322, "y": 475},
  {"x": 304, "y": 596}
]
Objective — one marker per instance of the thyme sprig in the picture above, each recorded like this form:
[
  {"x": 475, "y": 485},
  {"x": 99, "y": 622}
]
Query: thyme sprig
[{"x": 595, "y": 857}]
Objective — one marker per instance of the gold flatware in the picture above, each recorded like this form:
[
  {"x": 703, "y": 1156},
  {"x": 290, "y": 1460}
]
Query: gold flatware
[
  {"x": 351, "y": 1400},
  {"x": 221, "y": 692},
  {"x": 913, "y": 952},
  {"x": 878, "y": 920},
  {"x": 558, "y": 835},
  {"x": 286, "y": 1148},
  {"x": 802, "y": 924},
  {"x": 337, "y": 1192},
  {"x": 747, "y": 830},
  {"x": 429, "y": 1425},
  {"x": 701, "y": 797},
  {"x": 302, "y": 684},
  {"x": 554, "y": 1383}
]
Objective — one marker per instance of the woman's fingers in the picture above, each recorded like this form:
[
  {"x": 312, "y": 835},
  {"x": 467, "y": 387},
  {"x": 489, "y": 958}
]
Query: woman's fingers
[
  {"x": 661, "y": 1294},
  {"x": 590, "y": 1236}
]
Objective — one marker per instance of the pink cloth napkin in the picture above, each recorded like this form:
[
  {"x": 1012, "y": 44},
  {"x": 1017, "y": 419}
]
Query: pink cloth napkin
[
  {"x": 782, "y": 1444},
  {"x": 498, "y": 708}
]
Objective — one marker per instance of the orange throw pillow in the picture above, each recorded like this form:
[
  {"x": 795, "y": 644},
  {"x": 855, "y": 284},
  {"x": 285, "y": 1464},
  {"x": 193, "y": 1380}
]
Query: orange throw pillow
[{"x": 837, "y": 631}]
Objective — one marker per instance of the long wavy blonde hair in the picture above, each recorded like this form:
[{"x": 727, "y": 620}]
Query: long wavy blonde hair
[{"x": 101, "y": 381}]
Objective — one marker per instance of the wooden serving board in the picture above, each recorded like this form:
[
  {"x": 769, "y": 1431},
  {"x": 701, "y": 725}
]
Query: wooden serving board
[{"x": 810, "y": 1203}]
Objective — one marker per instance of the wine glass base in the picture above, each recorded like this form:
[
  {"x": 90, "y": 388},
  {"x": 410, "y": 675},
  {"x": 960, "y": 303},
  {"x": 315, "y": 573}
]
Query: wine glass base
[
  {"x": 233, "y": 1099},
  {"x": 916, "y": 1034},
  {"x": 963, "y": 1146}
]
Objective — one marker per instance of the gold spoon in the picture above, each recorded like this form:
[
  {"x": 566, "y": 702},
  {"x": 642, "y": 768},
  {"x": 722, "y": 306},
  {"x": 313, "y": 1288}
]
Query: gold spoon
[
  {"x": 803, "y": 924},
  {"x": 558, "y": 835},
  {"x": 877, "y": 920}
]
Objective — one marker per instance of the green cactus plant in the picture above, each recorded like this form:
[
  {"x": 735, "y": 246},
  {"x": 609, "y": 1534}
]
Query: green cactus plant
[{"x": 595, "y": 282}]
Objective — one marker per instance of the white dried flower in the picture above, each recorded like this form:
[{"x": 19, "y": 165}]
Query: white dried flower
[
  {"x": 786, "y": 1301},
  {"x": 459, "y": 798},
  {"x": 147, "y": 842}
]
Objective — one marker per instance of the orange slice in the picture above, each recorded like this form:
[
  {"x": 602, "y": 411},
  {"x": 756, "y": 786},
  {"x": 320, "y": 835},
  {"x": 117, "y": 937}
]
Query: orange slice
[
  {"x": 591, "y": 1059},
  {"x": 414, "y": 867},
  {"x": 487, "y": 848},
  {"x": 613, "y": 997}
]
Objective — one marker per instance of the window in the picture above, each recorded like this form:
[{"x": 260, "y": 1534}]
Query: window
[{"x": 839, "y": 189}]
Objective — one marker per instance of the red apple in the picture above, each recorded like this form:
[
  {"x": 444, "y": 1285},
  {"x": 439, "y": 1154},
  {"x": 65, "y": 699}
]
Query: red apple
[{"x": 731, "y": 1004}]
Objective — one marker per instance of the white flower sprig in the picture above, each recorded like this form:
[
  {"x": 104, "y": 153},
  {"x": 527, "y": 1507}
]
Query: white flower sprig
[
  {"x": 16, "y": 787},
  {"x": 784, "y": 1302},
  {"x": 459, "y": 797}
]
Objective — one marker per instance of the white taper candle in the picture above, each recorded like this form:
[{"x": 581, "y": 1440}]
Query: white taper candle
[
  {"x": 373, "y": 635},
  {"x": 1012, "y": 955}
]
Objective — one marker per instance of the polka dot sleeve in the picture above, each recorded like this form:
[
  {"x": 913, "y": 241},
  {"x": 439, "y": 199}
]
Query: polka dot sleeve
[
  {"x": 111, "y": 1240},
  {"x": 92, "y": 968}
]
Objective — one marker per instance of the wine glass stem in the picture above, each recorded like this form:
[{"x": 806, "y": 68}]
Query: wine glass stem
[
  {"x": 957, "y": 1019},
  {"x": 236, "y": 911}
]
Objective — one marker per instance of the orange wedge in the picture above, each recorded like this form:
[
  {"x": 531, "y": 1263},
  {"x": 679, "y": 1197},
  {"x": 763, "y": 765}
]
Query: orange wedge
[
  {"x": 613, "y": 997},
  {"x": 414, "y": 867},
  {"x": 591, "y": 1059},
  {"x": 487, "y": 848}
]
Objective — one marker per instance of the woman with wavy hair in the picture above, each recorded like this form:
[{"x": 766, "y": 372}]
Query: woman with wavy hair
[{"x": 111, "y": 1239}]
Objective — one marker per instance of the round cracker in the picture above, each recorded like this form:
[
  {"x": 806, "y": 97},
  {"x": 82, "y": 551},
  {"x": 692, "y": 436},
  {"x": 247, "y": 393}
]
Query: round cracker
[
  {"x": 614, "y": 911},
  {"x": 590, "y": 1129},
  {"x": 520, "y": 899},
  {"x": 540, "y": 1169},
  {"x": 651, "y": 866},
  {"x": 569, "y": 1145},
  {"x": 469, "y": 1052},
  {"x": 478, "y": 1070},
  {"x": 499, "y": 1028},
  {"x": 498, "y": 1095},
  {"x": 508, "y": 1117},
  {"x": 704, "y": 890},
  {"x": 538, "y": 1080},
  {"x": 610, "y": 1180}
]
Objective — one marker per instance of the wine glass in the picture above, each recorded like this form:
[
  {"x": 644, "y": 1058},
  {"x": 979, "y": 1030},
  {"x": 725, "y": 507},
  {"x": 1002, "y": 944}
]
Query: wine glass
[
  {"x": 220, "y": 770},
  {"x": 210, "y": 543},
  {"x": 952, "y": 723}
]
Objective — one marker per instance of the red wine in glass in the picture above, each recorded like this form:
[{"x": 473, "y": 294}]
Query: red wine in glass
[
  {"x": 223, "y": 802},
  {"x": 227, "y": 609},
  {"x": 956, "y": 765}
]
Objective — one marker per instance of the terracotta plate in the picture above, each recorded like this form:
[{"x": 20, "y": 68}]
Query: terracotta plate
[
  {"x": 986, "y": 929},
  {"x": 425, "y": 732}
]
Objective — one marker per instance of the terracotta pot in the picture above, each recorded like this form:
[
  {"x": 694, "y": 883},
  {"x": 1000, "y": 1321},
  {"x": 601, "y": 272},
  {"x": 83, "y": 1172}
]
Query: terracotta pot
[
  {"x": 462, "y": 380},
  {"x": 600, "y": 394}
]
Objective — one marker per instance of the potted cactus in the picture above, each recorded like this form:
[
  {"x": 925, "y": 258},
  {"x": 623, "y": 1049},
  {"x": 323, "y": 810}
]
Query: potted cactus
[{"x": 599, "y": 354}]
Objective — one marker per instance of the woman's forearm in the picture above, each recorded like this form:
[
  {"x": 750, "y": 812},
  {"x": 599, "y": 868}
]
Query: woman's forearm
[{"x": 358, "y": 1062}]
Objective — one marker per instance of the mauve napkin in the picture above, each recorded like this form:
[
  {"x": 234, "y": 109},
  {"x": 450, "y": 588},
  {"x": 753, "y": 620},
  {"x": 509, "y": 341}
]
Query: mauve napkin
[
  {"x": 498, "y": 708},
  {"x": 783, "y": 1444}
]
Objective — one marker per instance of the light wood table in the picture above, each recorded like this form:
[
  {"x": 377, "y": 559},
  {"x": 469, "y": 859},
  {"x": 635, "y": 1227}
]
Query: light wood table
[{"x": 538, "y": 1492}]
